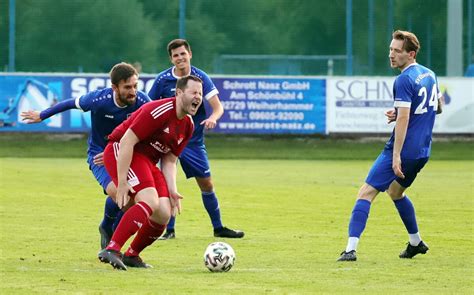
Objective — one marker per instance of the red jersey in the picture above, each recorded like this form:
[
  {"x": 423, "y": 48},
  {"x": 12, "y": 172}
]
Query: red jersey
[{"x": 158, "y": 129}]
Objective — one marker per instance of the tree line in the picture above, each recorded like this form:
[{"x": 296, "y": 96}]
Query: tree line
[{"x": 92, "y": 35}]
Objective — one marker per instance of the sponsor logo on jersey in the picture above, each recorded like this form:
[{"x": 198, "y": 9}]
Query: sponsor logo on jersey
[
  {"x": 166, "y": 130},
  {"x": 109, "y": 116},
  {"x": 160, "y": 147}
]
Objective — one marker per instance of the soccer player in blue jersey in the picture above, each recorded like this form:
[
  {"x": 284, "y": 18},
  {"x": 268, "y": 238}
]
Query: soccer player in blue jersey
[
  {"x": 193, "y": 159},
  {"x": 109, "y": 107},
  {"x": 415, "y": 94}
]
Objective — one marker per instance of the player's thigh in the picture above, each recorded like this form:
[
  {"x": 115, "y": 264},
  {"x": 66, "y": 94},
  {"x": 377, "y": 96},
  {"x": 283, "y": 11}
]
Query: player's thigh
[
  {"x": 367, "y": 192},
  {"x": 410, "y": 168},
  {"x": 160, "y": 182},
  {"x": 195, "y": 162},
  {"x": 140, "y": 174}
]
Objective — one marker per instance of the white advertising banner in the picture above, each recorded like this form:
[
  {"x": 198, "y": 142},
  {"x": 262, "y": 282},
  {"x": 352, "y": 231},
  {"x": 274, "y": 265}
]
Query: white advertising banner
[{"x": 357, "y": 105}]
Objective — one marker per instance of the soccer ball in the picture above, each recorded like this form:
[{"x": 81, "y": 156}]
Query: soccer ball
[{"x": 219, "y": 257}]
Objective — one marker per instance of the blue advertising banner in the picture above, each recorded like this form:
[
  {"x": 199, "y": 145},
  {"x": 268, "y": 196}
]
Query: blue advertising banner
[
  {"x": 19, "y": 93},
  {"x": 272, "y": 105},
  {"x": 252, "y": 105}
]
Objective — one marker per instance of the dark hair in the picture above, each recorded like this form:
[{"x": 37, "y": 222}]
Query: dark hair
[
  {"x": 178, "y": 43},
  {"x": 410, "y": 41},
  {"x": 122, "y": 71},
  {"x": 182, "y": 83}
]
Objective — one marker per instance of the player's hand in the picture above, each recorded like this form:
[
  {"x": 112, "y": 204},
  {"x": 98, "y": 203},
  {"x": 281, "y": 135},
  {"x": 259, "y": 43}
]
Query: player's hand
[
  {"x": 122, "y": 196},
  {"x": 99, "y": 159},
  {"x": 391, "y": 116},
  {"x": 31, "y": 117},
  {"x": 209, "y": 123},
  {"x": 397, "y": 166},
  {"x": 175, "y": 200},
  {"x": 439, "y": 110}
]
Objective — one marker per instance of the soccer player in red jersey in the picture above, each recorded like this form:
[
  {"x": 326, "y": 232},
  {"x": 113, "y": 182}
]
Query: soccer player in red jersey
[{"x": 158, "y": 131}]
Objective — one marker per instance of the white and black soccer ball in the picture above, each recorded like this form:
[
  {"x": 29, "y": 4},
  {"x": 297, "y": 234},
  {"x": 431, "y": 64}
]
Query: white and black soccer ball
[{"x": 219, "y": 257}]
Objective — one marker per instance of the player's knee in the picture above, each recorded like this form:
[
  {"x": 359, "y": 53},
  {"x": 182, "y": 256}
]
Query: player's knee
[
  {"x": 150, "y": 197},
  {"x": 367, "y": 192},
  {"x": 111, "y": 190},
  {"x": 395, "y": 191},
  {"x": 163, "y": 214},
  {"x": 205, "y": 184}
]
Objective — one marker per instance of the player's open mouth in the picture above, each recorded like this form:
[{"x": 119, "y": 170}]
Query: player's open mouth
[{"x": 195, "y": 104}]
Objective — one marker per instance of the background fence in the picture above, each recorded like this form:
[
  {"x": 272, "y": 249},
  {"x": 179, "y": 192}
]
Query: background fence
[{"x": 261, "y": 36}]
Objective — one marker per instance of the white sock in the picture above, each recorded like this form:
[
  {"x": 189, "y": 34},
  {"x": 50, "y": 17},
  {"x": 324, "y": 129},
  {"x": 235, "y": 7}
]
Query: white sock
[
  {"x": 415, "y": 239},
  {"x": 352, "y": 244}
]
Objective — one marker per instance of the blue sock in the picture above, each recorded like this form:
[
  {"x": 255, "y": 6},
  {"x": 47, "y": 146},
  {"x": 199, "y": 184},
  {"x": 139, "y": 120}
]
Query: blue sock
[
  {"x": 170, "y": 226},
  {"x": 117, "y": 220},
  {"x": 359, "y": 217},
  {"x": 110, "y": 214},
  {"x": 407, "y": 213},
  {"x": 211, "y": 204}
]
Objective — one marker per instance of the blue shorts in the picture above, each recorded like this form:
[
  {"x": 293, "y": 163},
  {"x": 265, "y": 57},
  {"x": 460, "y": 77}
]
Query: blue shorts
[
  {"x": 194, "y": 161},
  {"x": 100, "y": 174},
  {"x": 381, "y": 174}
]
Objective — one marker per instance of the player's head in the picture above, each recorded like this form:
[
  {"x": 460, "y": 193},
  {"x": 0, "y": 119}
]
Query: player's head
[
  {"x": 403, "y": 49},
  {"x": 180, "y": 54},
  {"x": 188, "y": 95},
  {"x": 124, "y": 79}
]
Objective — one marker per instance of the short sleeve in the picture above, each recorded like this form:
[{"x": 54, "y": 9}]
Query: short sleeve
[
  {"x": 209, "y": 89},
  {"x": 85, "y": 102},
  {"x": 403, "y": 92},
  {"x": 155, "y": 91}
]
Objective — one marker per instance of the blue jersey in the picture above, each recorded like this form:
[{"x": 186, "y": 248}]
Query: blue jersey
[
  {"x": 165, "y": 86},
  {"x": 105, "y": 115},
  {"x": 417, "y": 88}
]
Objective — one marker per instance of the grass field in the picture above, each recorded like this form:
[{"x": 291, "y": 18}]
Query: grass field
[{"x": 294, "y": 210}]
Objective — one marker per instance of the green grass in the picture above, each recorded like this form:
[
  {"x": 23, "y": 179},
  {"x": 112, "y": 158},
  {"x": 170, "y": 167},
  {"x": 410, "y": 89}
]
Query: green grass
[
  {"x": 239, "y": 147},
  {"x": 294, "y": 213}
]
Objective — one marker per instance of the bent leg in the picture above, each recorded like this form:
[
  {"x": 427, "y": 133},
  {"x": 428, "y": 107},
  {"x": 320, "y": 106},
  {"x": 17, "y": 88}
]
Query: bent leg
[
  {"x": 210, "y": 201},
  {"x": 152, "y": 229},
  {"x": 134, "y": 218},
  {"x": 360, "y": 214},
  {"x": 406, "y": 210}
]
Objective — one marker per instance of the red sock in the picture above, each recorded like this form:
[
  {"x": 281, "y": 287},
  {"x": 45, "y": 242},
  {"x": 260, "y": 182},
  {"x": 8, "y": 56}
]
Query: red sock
[
  {"x": 148, "y": 233},
  {"x": 131, "y": 222}
]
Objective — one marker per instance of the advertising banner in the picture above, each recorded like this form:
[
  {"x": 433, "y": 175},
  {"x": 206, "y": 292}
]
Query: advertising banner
[
  {"x": 357, "y": 105},
  {"x": 272, "y": 105},
  {"x": 252, "y": 105},
  {"x": 20, "y": 92}
]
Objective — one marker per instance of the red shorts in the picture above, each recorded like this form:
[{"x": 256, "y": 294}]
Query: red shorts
[{"x": 142, "y": 174}]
